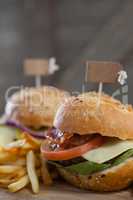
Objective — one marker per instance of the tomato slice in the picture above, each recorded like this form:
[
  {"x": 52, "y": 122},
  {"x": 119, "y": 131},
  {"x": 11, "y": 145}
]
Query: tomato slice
[{"x": 73, "y": 152}]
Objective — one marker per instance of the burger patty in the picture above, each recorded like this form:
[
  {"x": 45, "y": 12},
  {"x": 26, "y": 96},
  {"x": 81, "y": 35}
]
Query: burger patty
[{"x": 66, "y": 163}]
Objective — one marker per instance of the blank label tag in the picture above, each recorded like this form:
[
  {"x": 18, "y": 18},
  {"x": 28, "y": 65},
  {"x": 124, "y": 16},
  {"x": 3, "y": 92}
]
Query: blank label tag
[
  {"x": 100, "y": 71},
  {"x": 36, "y": 67}
]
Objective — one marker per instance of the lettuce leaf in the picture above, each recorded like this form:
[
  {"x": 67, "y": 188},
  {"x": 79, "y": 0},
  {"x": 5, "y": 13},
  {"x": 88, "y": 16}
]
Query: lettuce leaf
[
  {"x": 122, "y": 157},
  {"x": 87, "y": 167}
]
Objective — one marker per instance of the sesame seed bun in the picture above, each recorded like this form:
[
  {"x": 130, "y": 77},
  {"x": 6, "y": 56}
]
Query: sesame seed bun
[
  {"x": 35, "y": 107},
  {"x": 113, "y": 179},
  {"x": 81, "y": 115}
]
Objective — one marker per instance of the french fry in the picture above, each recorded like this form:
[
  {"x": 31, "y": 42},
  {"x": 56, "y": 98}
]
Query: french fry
[
  {"x": 16, "y": 174},
  {"x": 32, "y": 140},
  {"x": 32, "y": 174},
  {"x": 13, "y": 160},
  {"x": 16, "y": 159},
  {"x": 6, "y": 156},
  {"x": 6, "y": 181},
  {"x": 19, "y": 147},
  {"x": 38, "y": 173},
  {"x": 29, "y": 145},
  {"x": 20, "y": 173},
  {"x": 9, "y": 179},
  {"x": 47, "y": 180},
  {"x": 3, "y": 186},
  {"x": 8, "y": 169},
  {"x": 18, "y": 185},
  {"x": 19, "y": 162},
  {"x": 22, "y": 162},
  {"x": 16, "y": 144}
]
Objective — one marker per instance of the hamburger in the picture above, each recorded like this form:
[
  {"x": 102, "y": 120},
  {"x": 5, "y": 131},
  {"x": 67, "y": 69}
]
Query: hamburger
[
  {"x": 92, "y": 147},
  {"x": 33, "y": 109}
]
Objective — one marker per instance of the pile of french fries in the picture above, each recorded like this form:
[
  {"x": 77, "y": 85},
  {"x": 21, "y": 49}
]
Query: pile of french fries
[{"x": 21, "y": 165}]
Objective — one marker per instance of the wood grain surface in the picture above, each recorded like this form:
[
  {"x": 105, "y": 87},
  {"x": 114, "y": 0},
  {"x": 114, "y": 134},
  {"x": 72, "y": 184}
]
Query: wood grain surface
[{"x": 61, "y": 191}]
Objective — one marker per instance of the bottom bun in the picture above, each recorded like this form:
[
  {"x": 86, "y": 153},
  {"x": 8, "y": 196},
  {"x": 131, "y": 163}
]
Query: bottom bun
[{"x": 113, "y": 179}]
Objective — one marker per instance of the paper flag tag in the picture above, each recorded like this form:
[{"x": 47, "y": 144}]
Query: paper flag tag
[
  {"x": 53, "y": 66},
  {"x": 101, "y": 71},
  {"x": 36, "y": 67}
]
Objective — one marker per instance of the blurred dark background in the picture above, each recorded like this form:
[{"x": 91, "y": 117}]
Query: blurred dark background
[{"x": 70, "y": 30}]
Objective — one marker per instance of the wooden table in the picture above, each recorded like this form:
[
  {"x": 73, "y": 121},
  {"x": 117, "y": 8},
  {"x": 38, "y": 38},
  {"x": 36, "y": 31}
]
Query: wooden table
[{"x": 60, "y": 191}]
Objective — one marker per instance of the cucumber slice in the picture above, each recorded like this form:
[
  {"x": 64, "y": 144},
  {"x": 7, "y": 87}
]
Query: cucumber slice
[
  {"x": 108, "y": 151},
  {"x": 8, "y": 135}
]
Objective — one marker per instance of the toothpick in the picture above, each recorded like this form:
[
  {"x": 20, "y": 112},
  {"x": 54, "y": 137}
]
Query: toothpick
[
  {"x": 100, "y": 89},
  {"x": 38, "y": 81}
]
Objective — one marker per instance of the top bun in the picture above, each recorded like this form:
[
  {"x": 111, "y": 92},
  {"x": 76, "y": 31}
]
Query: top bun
[
  {"x": 81, "y": 115},
  {"x": 35, "y": 107}
]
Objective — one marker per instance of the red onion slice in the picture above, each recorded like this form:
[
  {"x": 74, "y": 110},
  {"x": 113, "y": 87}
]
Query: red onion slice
[{"x": 37, "y": 134}]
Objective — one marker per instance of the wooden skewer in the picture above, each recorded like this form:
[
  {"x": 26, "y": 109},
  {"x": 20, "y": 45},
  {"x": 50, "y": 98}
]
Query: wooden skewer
[
  {"x": 102, "y": 72},
  {"x": 100, "y": 89},
  {"x": 38, "y": 81}
]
